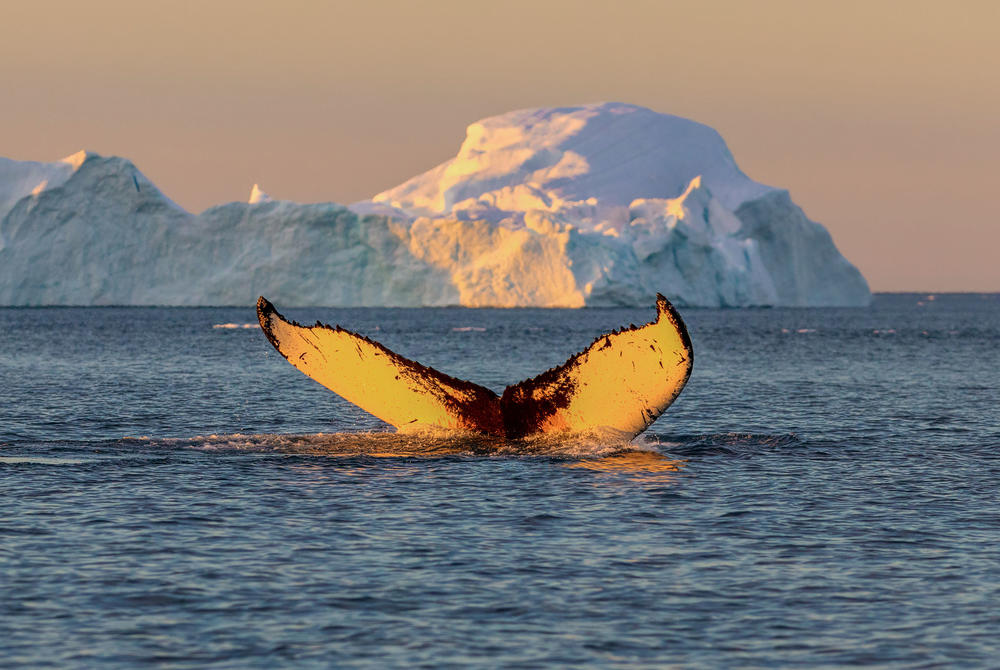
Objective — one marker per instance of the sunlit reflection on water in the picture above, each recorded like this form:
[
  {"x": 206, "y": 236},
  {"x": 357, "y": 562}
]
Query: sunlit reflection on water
[
  {"x": 608, "y": 459},
  {"x": 647, "y": 466}
]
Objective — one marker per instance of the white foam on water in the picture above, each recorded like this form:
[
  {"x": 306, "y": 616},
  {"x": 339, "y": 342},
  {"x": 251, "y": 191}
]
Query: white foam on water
[{"x": 401, "y": 445}]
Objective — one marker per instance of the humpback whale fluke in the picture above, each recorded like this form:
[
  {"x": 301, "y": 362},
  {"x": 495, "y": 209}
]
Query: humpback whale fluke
[{"x": 618, "y": 385}]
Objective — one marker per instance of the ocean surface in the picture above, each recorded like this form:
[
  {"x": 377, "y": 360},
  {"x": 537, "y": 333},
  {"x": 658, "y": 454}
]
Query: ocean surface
[{"x": 825, "y": 492}]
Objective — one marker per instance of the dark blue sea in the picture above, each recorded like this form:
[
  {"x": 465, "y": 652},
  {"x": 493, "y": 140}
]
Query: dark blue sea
[{"x": 825, "y": 492}]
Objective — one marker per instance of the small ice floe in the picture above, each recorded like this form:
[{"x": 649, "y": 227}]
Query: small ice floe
[
  {"x": 41, "y": 460},
  {"x": 231, "y": 326},
  {"x": 468, "y": 329}
]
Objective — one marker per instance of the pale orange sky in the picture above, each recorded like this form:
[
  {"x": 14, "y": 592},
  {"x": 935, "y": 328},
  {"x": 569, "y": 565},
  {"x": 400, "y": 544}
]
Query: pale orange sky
[{"x": 881, "y": 118}]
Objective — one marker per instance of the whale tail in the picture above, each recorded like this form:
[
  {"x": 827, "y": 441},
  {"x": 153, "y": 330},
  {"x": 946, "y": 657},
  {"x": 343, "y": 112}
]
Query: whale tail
[
  {"x": 401, "y": 392},
  {"x": 618, "y": 385}
]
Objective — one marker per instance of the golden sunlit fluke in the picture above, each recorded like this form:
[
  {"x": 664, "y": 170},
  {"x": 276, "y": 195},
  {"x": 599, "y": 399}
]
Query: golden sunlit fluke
[{"x": 616, "y": 387}]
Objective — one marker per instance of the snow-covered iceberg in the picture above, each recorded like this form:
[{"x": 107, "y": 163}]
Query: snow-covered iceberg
[{"x": 603, "y": 204}]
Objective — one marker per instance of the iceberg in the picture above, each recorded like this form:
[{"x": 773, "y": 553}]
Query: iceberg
[{"x": 603, "y": 204}]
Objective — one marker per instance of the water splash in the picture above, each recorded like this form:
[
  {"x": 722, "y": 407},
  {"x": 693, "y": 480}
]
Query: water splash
[{"x": 398, "y": 445}]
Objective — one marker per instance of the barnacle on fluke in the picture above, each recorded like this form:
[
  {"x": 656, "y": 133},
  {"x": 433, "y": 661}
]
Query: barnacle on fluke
[{"x": 618, "y": 385}]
